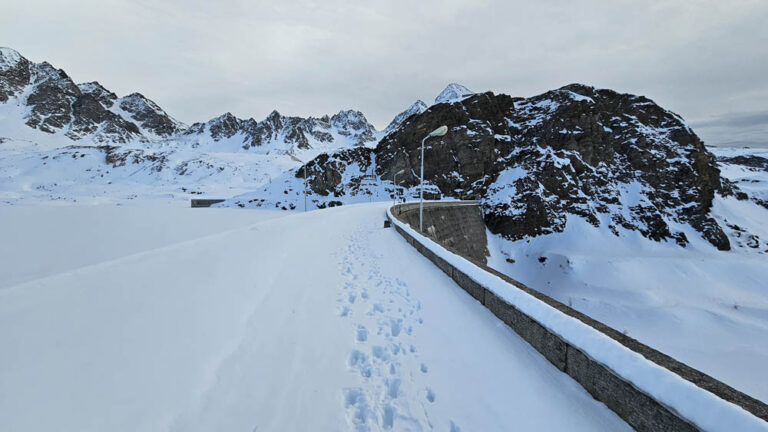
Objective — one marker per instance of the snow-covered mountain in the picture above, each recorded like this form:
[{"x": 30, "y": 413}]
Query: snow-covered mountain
[
  {"x": 287, "y": 134},
  {"x": 417, "y": 107},
  {"x": 453, "y": 93},
  {"x": 70, "y": 141},
  {"x": 618, "y": 161}
]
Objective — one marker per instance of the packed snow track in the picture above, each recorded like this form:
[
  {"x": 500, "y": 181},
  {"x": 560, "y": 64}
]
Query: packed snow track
[{"x": 311, "y": 321}]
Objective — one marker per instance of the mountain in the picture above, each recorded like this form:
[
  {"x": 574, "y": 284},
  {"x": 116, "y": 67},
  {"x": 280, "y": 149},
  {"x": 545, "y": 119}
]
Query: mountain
[
  {"x": 453, "y": 93},
  {"x": 47, "y": 99},
  {"x": 287, "y": 134},
  {"x": 151, "y": 119},
  {"x": 417, "y": 107},
  {"x": 618, "y": 161},
  {"x": 67, "y": 141}
]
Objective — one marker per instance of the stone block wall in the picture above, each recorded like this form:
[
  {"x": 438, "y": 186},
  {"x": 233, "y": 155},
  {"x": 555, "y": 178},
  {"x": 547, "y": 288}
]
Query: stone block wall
[{"x": 456, "y": 225}]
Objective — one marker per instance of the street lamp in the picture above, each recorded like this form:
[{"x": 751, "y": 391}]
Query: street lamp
[
  {"x": 442, "y": 130},
  {"x": 305, "y": 179},
  {"x": 394, "y": 183}
]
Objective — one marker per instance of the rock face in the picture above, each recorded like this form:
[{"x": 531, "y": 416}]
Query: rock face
[
  {"x": 614, "y": 159},
  {"x": 150, "y": 117},
  {"x": 53, "y": 103}
]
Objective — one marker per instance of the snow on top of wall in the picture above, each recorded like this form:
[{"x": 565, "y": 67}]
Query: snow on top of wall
[{"x": 697, "y": 405}]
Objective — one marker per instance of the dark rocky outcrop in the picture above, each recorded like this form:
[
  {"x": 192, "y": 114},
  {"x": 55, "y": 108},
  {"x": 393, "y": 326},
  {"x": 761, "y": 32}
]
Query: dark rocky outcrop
[
  {"x": 149, "y": 115},
  {"x": 417, "y": 107},
  {"x": 56, "y": 104},
  {"x": 749, "y": 161},
  {"x": 105, "y": 97},
  {"x": 613, "y": 159}
]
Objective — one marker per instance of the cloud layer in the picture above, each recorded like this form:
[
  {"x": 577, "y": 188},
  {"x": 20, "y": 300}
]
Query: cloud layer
[{"x": 705, "y": 60}]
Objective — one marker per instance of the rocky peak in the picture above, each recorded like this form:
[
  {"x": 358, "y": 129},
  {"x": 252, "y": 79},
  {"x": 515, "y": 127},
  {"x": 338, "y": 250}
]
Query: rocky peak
[
  {"x": 149, "y": 115},
  {"x": 9, "y": 59},
  {"x": 14, "y": 73},
  {"x": 101, "y": 94},
  {"x": 353, "y": 123},
  {"x": 452, "y": 93},
  {"x": 224, "y": 126},
  {"x": 51, "y": 99},
  {"x": 275, "y": 119},
  {"x": 417, "y": 107}
]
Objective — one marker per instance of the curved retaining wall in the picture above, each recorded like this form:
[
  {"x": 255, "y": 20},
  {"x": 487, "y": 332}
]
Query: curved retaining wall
[
  {"x": 648, "y": 389},
  {"x": 457, "y": 225}
]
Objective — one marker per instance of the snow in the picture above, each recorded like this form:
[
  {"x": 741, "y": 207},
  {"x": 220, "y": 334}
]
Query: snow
[
  {"x": 277, "y": 325},
  {"x": 704, "y": 409},
  {"x": 577, "y": 97},
  {"x": 417, "y": 107},
  {"x": 45, "y": 240},
  {"x": 8, "y": 58},
  {"x": 453, "y": 93},
  {"x": 702, "y": 306}
]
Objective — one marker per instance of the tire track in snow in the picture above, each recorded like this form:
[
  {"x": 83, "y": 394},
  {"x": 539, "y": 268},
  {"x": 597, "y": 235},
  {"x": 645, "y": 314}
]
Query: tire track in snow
[{"x": 384, "y": 318}]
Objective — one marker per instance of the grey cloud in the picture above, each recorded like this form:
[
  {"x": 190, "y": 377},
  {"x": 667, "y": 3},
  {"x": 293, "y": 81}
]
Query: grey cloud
[
  {"x": 198, "y": 59},
  {"x": 754, "y": 119}
]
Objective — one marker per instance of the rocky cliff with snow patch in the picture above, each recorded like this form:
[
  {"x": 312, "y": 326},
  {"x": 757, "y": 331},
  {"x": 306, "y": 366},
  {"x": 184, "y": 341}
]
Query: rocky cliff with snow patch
[{"x": 616, "y": 160}]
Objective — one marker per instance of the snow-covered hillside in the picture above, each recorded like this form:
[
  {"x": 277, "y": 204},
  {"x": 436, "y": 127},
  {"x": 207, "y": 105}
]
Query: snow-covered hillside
[
  {"x": 705, "y": 307},
  {"x": 453, "y": 93},
  {"x": 317, "y": 321}
]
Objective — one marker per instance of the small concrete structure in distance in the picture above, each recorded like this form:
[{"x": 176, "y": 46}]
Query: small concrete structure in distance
[{"x": 205, "y": 202}]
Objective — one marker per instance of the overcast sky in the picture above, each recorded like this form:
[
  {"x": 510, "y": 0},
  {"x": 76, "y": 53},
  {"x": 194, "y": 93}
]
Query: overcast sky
[{"x": 706, "y": 60}]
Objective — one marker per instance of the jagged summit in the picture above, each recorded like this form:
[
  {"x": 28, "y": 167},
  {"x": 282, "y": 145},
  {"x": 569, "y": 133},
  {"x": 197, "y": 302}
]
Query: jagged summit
[
  {"x": 286, "y": 134},
  {"x": 452, "y": 93},
  {"x": 417, "y": 107},
  {"x": 615, "y": 160},
  {"x": 9, "y": 58},
  {"x": 149, "y": 116},
  {"x": 99, "y": 92}
]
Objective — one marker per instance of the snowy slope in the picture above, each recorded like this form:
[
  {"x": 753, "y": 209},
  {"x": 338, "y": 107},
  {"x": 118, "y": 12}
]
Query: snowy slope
[
  {"x": 705, "y": 307},
  {"x": 275, "y": 326}
]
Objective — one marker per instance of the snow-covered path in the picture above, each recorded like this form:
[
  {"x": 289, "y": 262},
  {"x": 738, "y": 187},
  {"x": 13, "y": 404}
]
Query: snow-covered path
[{"x": 321, "y": 321}]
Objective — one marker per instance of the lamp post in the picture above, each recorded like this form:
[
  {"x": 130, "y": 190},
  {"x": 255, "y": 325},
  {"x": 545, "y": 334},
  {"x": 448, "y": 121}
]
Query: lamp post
[
  {"x": 394, "y": 187},
  {"x": 442, "y": 130},
  {"x": 305, "y": 179}
]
